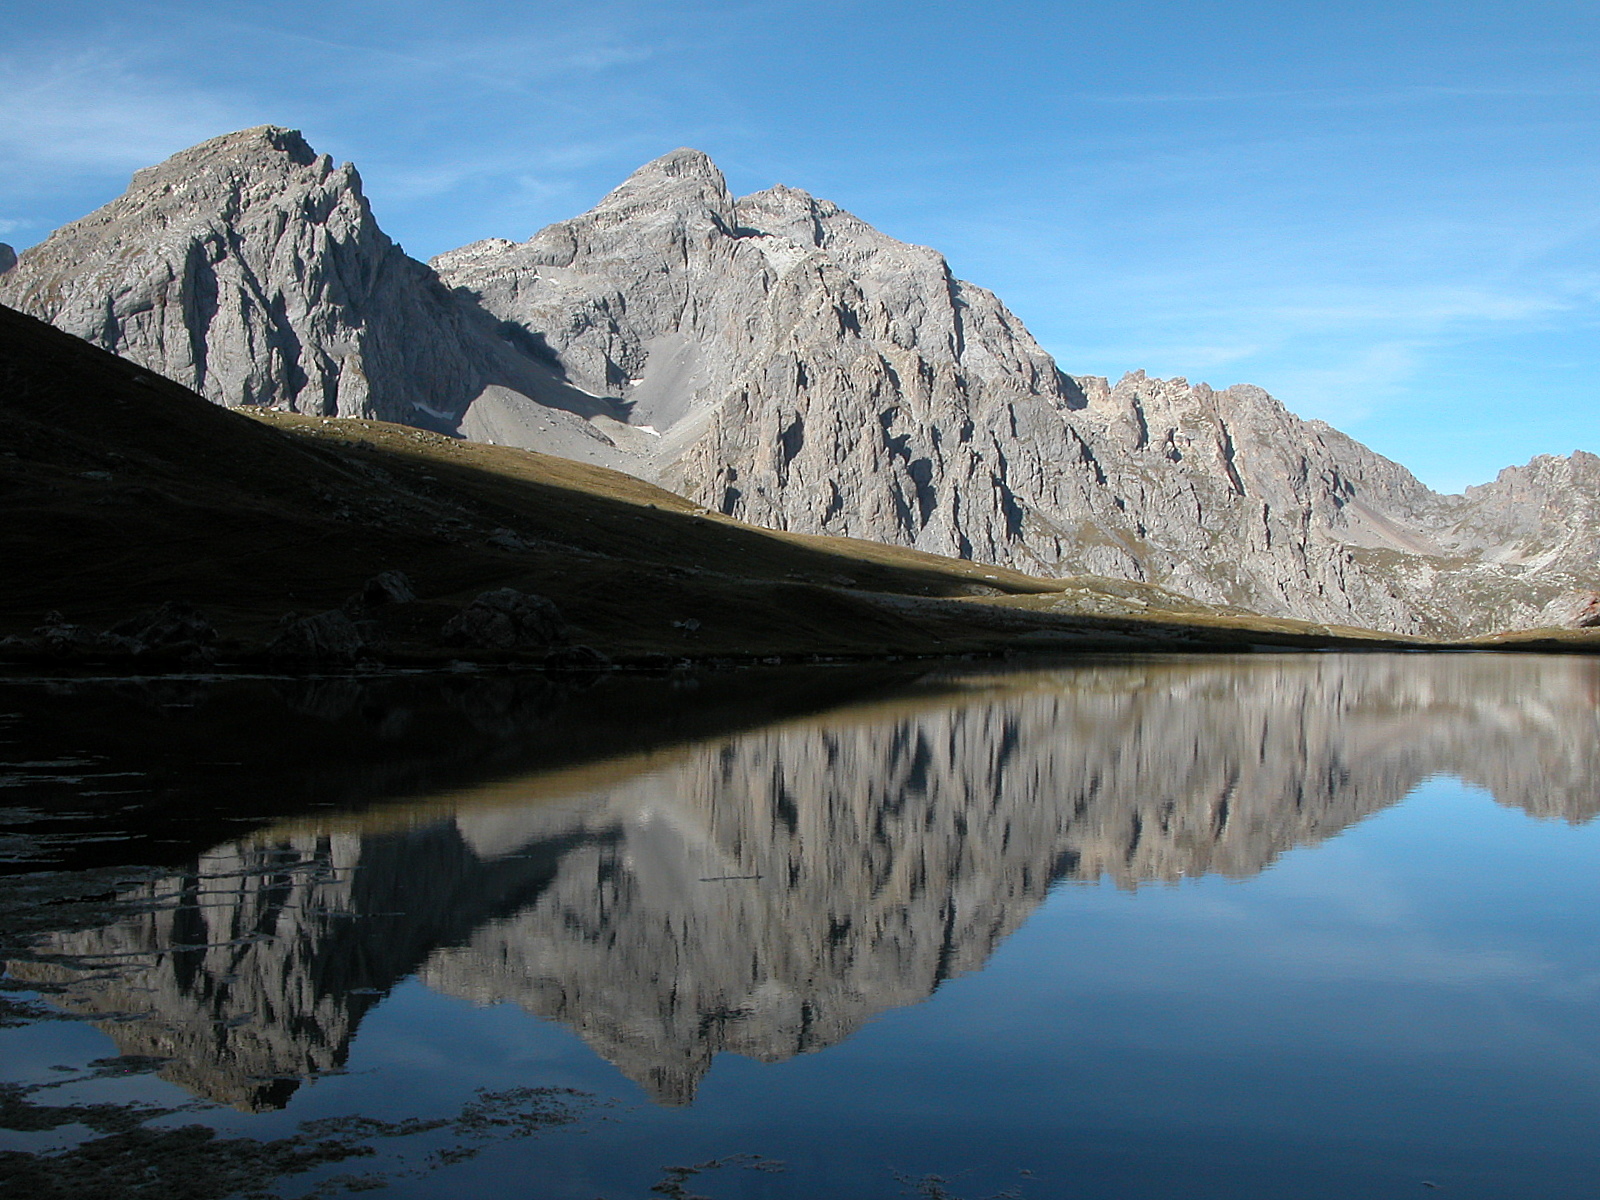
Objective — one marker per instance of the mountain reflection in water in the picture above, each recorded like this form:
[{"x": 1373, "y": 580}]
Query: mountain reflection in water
[{"x": 767, "y": 892}]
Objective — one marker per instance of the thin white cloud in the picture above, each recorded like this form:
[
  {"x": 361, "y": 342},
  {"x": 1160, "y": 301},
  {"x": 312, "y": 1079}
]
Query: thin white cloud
[
  {"x": 1351, "y": 97},
  {"x": 1354, "y": 386},
  {"x": 513, "y": 61},
  {"x": 1420, "y": 307},
  {"x": 525, "y": 177},
  {"x": 603, "y": 58},
  {"x": 91, "y": 110}
]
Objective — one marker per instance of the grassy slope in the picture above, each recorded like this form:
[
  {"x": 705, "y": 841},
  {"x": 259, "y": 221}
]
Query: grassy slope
[{"x": 122, "y": 490}]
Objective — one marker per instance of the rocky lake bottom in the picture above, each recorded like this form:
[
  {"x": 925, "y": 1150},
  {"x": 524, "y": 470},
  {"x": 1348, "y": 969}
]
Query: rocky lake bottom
[{"x": 1321, "y": 925}]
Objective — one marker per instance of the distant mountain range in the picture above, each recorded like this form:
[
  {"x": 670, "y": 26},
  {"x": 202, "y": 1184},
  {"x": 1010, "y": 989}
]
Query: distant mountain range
[{"x": 775, "y": 359}]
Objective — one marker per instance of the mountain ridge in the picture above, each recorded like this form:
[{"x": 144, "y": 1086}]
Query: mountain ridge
[
  {"x": 776, "y": 359},
  {"x": 128, "y": 494}
]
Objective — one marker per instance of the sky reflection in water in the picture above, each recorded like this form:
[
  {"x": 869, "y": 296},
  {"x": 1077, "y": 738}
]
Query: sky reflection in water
[{"x": 1199, "y": 927}]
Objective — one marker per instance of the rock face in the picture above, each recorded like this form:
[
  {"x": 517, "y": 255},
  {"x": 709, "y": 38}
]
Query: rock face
[
  {"x": 781, "y": 361},
  {"x": 250, "y": 269},
  {"x": 804, "y": 371},
  {"x": 1574, "y": 610},
  {"x": 767, "y": 893}
]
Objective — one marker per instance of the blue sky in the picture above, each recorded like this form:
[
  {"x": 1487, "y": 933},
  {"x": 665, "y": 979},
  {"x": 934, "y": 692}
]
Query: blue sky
[{"x": 1386, "y": 214}]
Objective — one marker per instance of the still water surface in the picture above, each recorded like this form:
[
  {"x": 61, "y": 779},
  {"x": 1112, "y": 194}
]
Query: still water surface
[{"x": 1316, "y": 926}]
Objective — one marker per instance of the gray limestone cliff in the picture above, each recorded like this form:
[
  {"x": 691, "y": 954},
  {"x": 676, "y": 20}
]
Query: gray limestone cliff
[
  {"x": 766, "y": 893},
  {"x": 250, "y": 269},
  {"x": 777, "y": 359},
  {"x": 794, "y": 367}
]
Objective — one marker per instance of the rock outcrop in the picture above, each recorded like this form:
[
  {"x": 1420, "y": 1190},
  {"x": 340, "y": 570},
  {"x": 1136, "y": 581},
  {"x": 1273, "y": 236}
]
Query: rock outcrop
[
  {"x": 323, "y": 639},
  {"x": 174, "y": 631},
  {"x": 1573, "y": 610},
  {"x": 505, "y": 619},
  {"x": 777, "y": 359}
]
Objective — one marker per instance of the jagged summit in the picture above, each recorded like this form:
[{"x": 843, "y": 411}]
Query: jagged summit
[
  {"x": 683, "y": 163},
  {"x": 255, "y": 146},
  {"x": 684, "y": 184},
  {"x": 799, "y": 368},
  {"x": 792, "y": 213},
  {"x": 250, "y": 269},
  {"x": 196, "y": 270},
  {"x": 290, "y": 142},
  {"x": 241, "y": 167}
]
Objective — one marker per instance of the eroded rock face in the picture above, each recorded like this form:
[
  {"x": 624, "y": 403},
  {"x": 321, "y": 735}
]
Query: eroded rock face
[
  {"x": 768, "y": 892},
  {"x": 1574, "y": 610},
  {"x": 779, "y": 360},
  {"x": 798, "y": 369},
  {"x": 250, "y": 269}
]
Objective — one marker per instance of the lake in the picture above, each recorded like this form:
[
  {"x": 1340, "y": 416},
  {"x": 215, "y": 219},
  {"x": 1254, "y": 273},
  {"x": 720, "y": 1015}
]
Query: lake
[{"x": 1245, "y": 926}]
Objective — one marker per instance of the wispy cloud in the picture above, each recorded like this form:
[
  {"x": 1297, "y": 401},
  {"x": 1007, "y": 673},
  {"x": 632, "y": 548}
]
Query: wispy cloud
[
  {"x": 1426, "y": 307},
  {"x": 1350, "y": 97},
  {"x": 95, "y": 110},
  {"x": 513, "y": 61},
  {"x": 1355, "y": 385}
]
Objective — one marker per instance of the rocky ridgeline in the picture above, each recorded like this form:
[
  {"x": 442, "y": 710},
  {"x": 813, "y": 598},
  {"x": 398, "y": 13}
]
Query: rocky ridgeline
[
  {"x": 767, "y": 893},
  {"x": 779, "y": 360},
  {"x": 249, "y": 269}
]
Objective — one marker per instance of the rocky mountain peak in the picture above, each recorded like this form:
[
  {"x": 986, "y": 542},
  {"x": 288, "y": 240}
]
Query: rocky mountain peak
[
  {"x": 251, "y": 270},
  {"x": 682, "y": 163},
  {"x": 196, "y": 270},
  {"x": 1542, "y": 470},
  {"x": 684, "y": 181},
  {"x": 226, "y": 175},
  {"x": 8, "y": 258},
  {"x": 270, "y": 146},
  {"x": 803, "y": 370}
]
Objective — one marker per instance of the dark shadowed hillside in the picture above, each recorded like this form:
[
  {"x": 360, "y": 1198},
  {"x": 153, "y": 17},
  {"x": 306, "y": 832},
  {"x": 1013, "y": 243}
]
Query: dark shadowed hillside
[{"x": 125, "y": 491}]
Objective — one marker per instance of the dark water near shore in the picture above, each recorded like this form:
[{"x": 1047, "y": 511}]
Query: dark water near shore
[{"x": 1317, "y": 926}]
